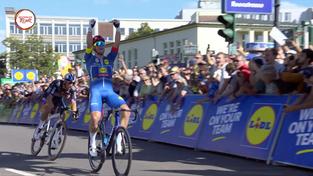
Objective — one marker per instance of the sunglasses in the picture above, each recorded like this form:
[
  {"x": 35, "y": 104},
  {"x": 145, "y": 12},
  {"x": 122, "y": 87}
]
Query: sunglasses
[{"x": 99, "y": 43}]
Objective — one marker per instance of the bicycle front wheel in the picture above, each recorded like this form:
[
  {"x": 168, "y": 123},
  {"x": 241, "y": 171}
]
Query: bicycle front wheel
[
  {"x": 96, "y": 162},
  {"x": 121, "y": 152},
  {"x": 37, "y": 141},
  {"x": 57, "y": 140}
]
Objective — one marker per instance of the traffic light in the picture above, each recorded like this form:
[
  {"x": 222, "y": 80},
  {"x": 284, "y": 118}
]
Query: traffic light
[{"x": 229, "y": 32}]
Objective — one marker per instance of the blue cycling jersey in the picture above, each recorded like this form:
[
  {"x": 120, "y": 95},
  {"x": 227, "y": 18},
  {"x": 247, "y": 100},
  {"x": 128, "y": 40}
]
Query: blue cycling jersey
[{"x": 100, "y": 72}]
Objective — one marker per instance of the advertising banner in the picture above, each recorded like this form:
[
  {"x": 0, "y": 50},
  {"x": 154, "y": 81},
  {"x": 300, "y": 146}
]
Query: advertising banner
[
  {"x": 145, "y": 125},
  {"x": 79, "y": 124},
  {"x": 295, "y": 144},
  {"x": 181, "y": 125},
  {"x": 243, "y": 127},
  {"x": 24, "y": 75},
  {"x": 6, "y": 112}
]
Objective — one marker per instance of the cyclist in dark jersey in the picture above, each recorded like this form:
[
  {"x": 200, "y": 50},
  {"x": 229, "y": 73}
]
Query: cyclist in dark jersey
[
  {"x": 56, "y": 94},
  {"x": 100, "y": 69}
]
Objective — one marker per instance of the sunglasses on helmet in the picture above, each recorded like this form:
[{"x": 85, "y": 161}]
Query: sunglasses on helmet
[{"x": 99, "y": 43}]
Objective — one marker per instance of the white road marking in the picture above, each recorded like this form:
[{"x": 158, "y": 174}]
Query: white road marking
[{"x": 19, "y": 172}]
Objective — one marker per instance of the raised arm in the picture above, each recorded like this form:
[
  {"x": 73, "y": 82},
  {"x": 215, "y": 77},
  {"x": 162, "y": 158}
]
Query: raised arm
[
  {"x": 92, "y": 23},
  {"x": 116, "y": 24}
]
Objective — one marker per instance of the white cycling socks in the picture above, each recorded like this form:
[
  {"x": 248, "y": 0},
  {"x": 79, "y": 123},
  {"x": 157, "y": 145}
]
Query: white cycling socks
[{"x": 92, "y": 137}]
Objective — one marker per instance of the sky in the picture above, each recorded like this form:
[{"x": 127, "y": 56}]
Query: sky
[{"x": 109, "y": 9}]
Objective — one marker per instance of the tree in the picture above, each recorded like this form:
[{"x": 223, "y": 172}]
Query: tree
[
  {"x": 142, "y": 31},
  {"x": 31, "y": 54},
  {"x": 2, "y": 64}
]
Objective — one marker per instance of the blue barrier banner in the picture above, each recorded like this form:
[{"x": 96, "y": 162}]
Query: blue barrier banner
[
  {"x": 145, "y": 125},
  {"x": 179, "y": 126},
  {"x": 35, "y": 112},
  {"x": 295, "y": 144},
  {"x": 243, "y": 127},
  {"x": 134, "y": 124},
  {"x": 82, "y": 106},
  {"x": 26, "y": 112},
  {"x": 6, "y": 112},
  {"x": 16, "y": 113}
]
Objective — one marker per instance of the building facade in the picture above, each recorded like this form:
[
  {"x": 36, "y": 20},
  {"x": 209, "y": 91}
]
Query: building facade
[{"x": 64, "y": 34}]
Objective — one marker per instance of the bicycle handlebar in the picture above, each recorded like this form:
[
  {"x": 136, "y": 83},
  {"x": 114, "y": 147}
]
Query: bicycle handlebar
[{"x": 128, "y": 110}]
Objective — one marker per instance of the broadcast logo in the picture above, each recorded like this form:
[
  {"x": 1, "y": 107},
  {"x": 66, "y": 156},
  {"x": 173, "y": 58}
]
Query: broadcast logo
[{"x": 25, "y": 19}]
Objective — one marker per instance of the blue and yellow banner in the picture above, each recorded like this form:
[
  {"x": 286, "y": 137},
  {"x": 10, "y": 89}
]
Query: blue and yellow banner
[
  {"x": 243, "y": 127},
  {"x": 295, "y": 144},
  {"x": 24, "y": 75}
]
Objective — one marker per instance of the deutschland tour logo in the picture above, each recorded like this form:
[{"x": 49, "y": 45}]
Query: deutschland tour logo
[{"x": 25, "y": 19}]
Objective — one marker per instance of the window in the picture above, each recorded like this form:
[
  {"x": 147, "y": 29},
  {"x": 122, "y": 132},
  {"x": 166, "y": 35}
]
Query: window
[
  {"x": 264, "y": 17},
  {"x": 165, "y": 52},
  {"x": 257, "y": 17},
  {"x": 171, "y": 44},
  {"x": 287, "y": 17},
  {"x": 60, "y": 47},
  {"x": 74, "y": 29},
  {"x": 14, "y": 29},
  {"x": 85, "y": 29},
  {"x": 129, "y": 58},
  {"x": 32, "y": 30},
  {"x": 165, "y": 45},
  {"x": 124, "y": 54},
  {"x": 135, "y": 57},
  {"x": 60, "y": 29},
  {"x": 84, "y": 45},
  {"x": 74, "y": 47},
  {"x": 131, "y": 30},
  {"x": 45, "y": 29},
  {"x": 178, "y": 43},
  {"x": 258, "y": 37},
  {"x": 122, "y": 31},
  {"x": 172, "y": 52}
]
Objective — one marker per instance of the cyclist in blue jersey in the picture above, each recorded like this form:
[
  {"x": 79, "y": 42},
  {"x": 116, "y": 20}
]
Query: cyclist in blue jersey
[{"x": 100, "y": 69}]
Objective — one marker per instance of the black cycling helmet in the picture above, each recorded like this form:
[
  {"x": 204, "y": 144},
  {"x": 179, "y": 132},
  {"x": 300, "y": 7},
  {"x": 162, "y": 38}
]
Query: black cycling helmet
[{"x": 69, "y": 77}]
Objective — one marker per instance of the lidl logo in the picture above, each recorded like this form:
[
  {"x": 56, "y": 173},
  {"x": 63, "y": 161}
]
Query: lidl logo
[
  {"x": 18, "y": 76},
  {"x": 102, "y": 70},
  {"x": 87, "y": 116},
  {"x": 260, "y": 125},
  {"x": 34, "y": 111},
  {"x": 67, "y": 115},
  {"x": 149, "y": 117},
  {"x": 193, "y": 120},
  {"x": 31, "y": 76}
]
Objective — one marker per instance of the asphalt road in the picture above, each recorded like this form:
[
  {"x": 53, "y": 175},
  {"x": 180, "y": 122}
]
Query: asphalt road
[{"x": 149, "y": 159}]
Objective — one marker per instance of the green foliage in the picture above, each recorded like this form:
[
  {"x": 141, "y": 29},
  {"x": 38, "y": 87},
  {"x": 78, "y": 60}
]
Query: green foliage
[
  {"x": 31, "y": 54},
  {"x": 142, "y": 31}
]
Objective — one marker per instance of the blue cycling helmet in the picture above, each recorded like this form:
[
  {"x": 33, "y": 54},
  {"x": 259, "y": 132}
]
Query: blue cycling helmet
[{"x": 69, "y": 77}]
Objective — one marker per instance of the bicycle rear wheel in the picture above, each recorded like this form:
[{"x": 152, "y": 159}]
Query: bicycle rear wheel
[
  {"x": 121, "y": 152},
  {"x": 37, "y": 142},
  {"x": 57, "y": 140},
  {"x": 97, "y": 162}
]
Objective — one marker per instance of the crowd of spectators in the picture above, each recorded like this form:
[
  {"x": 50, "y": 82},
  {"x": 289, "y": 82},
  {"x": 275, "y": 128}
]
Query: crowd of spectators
[
  {"x": 10, "y": 95},
  {"x": 276, "y": 71}
]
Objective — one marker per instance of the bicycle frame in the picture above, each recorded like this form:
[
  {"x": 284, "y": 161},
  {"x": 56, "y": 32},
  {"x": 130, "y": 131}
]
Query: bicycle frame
[{"x": 104, "y": 120}]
